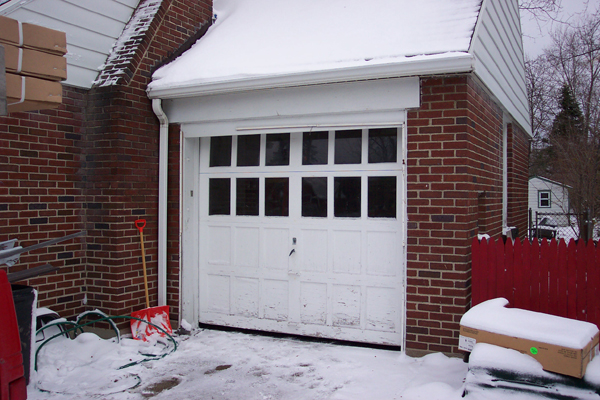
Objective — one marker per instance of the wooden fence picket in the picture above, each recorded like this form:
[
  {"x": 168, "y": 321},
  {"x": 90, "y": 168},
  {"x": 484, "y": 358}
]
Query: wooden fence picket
[
  {"x": 562, "y": 280},
  {"x": 552, "y": 277},
  {"x": 535, "y": 275},
  {"x": 592, "y": 288},
  {"x": 509, "y": 284},
  {"x": 581, "y": 300},
  {"x": 572, "y": 280},
  {"x": 543, "y": 275},
  {"x": 518, "y": 277},
  {"x": 477, "y": 281}
]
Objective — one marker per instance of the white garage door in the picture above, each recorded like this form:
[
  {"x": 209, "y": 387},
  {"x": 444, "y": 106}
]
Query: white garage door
[{"x": 302, "y": 233}]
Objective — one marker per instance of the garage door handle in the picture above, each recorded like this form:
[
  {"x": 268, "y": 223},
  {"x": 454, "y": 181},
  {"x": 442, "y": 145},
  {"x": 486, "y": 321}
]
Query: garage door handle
[{"x": 292, "y": 252}]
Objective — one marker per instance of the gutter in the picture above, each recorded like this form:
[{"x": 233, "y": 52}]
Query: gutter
[
  {"x": 417, "y": 66},
  {"x": 162, "y": 199}
]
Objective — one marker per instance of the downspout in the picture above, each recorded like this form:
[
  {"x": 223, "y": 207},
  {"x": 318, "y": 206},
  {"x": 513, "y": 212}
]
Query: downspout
[{"x": 163, "y": 168}]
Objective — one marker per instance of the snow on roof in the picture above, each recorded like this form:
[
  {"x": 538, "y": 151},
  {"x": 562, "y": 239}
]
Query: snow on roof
[
  {"x": 493, "y": 316},
  {"x": 272, "y": 37}
]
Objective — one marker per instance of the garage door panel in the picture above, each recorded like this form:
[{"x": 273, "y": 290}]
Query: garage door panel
[
  {"x": 275, "y": 248},
  {"x": 275, "y": 299},
  {"x": 313, "y": 303},
  {"x": 381, "y": 306},
  {"x": 217, "y": 287},
  {"x": 346, "y": 306},
  {"x": 246, "y": 247},
  {"x": 314, "y": 257},
  {"x": 219, "y": 248},
  {"x": 347, "y": 246},
  {"x": 245, "y": 297},
  {"x": 382, "y": 256}
]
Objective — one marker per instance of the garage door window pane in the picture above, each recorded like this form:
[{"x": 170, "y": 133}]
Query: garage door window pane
[
  {"x": 220, "y": 151},
  {"x": 248, "y": 151},
  {"x": 346, "y": 197},
  {"x": 278, "y": 149},
  {"x": 348, "y": 147},
  {"x": 382, "y": 197},
  {"x": 314, "y": 197},
  {"x": 277, "y": 197},
  {"x": 383, "y": 145},
  {"x": 314, "y": 148},
  {"x": 246, "y": 202},
  {"x": 219, "y": 196}
]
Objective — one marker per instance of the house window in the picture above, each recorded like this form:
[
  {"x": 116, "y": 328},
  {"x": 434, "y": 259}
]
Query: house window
[{"x": 544, "y": 199}]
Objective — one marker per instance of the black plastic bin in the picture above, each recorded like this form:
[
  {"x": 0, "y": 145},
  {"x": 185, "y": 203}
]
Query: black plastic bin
[{"x": 23, "y": 296}]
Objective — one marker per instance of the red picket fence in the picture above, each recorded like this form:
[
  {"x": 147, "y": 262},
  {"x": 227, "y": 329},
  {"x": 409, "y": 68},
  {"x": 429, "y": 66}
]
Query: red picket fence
[{"x": 547, "y": 276}]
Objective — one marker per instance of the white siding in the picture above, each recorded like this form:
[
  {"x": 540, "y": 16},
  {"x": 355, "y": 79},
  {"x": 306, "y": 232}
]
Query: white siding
[
  {"x": 499, "y": 62},
  {"x": 92, "y": 27},
  {"x": 559, "y": 196}
]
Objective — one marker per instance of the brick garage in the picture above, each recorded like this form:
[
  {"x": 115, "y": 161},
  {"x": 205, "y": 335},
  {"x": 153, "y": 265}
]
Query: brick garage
[{"x": 92, "y": 165}]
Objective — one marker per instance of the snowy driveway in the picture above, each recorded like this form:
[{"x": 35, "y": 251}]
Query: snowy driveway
[{"x": 229, "y": 365}]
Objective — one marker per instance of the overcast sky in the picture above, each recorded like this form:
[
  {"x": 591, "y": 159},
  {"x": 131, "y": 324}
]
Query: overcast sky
[{"x": 536, "y": 38}]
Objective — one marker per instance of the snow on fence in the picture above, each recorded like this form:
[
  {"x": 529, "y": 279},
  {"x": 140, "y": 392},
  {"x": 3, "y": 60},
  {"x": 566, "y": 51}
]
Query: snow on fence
[{"x": 546, "y": 276}]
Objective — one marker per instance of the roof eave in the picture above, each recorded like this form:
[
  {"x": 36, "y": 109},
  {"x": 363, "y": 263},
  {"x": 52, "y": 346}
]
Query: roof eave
[{"x": 460, "y": 63}]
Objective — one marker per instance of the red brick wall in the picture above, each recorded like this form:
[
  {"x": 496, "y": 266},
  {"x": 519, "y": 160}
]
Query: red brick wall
[
  {"x": 93, "y": 164},
  {"x": 41, "y": 196},
  {"x": 454, "y": 192}
]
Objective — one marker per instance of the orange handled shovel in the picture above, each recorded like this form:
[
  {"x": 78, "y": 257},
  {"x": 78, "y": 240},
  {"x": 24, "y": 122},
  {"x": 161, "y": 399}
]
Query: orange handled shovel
[{"x": 156, "y": 315}]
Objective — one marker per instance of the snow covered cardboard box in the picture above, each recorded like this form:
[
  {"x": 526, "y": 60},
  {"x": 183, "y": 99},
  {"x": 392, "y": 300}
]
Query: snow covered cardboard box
[{"x": 561, "y": 345}]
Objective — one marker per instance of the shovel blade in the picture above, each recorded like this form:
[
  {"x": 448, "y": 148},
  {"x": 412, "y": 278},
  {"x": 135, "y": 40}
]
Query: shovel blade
[{"x": 156, "y": 315}]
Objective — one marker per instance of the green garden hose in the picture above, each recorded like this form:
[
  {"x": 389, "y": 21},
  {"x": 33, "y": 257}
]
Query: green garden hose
[{"x": 77, "y": 326}]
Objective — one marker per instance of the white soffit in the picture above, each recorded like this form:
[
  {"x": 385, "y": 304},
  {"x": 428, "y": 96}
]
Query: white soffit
[{"x": 92, "y": 27}]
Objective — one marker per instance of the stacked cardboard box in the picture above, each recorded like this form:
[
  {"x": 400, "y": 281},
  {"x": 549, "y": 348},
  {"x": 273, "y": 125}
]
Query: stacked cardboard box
[{"x": 34, "y": 65}]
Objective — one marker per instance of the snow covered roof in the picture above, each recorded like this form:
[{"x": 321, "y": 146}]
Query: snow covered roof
[{"x": 254, "y": 40}]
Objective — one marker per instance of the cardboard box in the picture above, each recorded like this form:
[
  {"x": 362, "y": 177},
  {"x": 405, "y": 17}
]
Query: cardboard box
[
  {"x": 22, "y": 34},
  {"x": 559, "y": 359},
  {"x": 35, "y": 63},
  {"x": 560, "y": 345},
  {"x": 28, "y": 94}
]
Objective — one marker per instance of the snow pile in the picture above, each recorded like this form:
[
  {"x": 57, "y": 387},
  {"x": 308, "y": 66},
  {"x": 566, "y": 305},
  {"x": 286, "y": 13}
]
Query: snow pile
[
  {"x": 272, "y": 37},
  {"x": 87, "y": 365},
  {"x": 493, "y": 316}
]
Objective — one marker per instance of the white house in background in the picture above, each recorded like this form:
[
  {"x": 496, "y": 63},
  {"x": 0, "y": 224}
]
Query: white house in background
[{"x": 548, "y": 196}]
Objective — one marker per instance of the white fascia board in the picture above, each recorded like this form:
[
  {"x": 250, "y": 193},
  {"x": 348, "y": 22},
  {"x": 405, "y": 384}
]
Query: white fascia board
[{"x": 458, "y": 63}]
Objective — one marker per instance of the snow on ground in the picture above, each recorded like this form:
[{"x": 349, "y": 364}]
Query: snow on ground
[{"x": 231, "y": 365}]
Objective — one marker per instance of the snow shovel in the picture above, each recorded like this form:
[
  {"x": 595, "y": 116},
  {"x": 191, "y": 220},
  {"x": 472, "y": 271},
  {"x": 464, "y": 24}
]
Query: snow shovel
[{"x": 156, "y": 315}]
